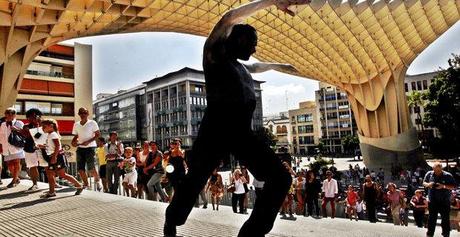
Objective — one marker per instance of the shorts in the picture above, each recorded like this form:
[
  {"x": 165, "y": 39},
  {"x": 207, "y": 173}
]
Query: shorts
[
  {"x": 142, "y": 178},
  {"x": 102, "y": 171},
  {"x": 130, "y": 178},
  {"x": 85, "y": 158},
  {"x": 35, "y": 159},
  {"x": 60, "y": 164},
  {"x": 19, "y": 155}
]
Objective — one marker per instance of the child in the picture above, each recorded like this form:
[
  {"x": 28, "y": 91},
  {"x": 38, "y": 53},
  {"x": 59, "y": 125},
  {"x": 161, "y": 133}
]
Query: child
[
  {"x": 129, "y": 166},
  {"x": 352, "y": 199},
  {"x": 100, "y": 153},
  {"x": 360, "y": 208},
  {"x": 52, "y": 153}
]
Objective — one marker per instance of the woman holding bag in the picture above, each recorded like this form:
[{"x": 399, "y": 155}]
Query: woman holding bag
[{"x": 12, "y": 152}]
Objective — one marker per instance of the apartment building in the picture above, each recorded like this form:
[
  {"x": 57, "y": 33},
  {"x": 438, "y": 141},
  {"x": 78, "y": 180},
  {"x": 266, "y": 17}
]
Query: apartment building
[
  {"x": 304, "y": 128},
  {"x": 58, "y": 82}
]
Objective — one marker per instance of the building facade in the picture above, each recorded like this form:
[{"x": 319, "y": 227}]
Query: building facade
[
  {"x": 420, "y": 83},
  {"x": 280, "y": 127},
  {"x": 336, "y": 118},
  {"x": 123, "y": 112},
  {"x": 304, "y": 128},
  {"x": 176, "y": 104},
  {"x": 58, "y": 82}
]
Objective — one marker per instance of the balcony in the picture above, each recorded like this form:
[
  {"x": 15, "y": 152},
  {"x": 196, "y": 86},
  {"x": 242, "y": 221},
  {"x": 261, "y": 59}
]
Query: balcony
[{"x": 49, "y": 74}]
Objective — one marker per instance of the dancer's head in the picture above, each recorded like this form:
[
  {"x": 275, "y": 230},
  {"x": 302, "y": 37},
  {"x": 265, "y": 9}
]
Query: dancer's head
[{"x": 242, "y": 41}]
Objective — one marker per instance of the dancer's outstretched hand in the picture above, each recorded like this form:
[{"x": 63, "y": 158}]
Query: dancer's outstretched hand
[
  {"x": 284, "y": 4},
  {"x": 289, "y": 68}
]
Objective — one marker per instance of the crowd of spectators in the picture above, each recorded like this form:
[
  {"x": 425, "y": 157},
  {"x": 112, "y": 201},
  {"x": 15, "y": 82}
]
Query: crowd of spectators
[{"x": 148, "y": 173}]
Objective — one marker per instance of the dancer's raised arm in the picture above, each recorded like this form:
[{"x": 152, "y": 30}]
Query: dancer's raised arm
[{"x": 223, "y": 28}]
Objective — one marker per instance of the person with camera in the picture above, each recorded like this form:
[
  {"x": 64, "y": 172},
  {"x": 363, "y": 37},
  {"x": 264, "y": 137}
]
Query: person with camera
[
  {"x": 114, "y": 150},
  {"x": 12, "y": 144},
  {"x": 439, "y": 184}
]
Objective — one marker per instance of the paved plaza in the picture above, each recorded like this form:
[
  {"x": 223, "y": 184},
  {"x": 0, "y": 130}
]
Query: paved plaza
[{"x": 99, "y": 214}]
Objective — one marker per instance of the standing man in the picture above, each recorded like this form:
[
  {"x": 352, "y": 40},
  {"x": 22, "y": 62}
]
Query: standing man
[
  {"x": 439, "y": 184},
  {"x": 330, "y": 192},
  {"x": 86, "y": 132},
  {"x": 231, "y": 100},
  {"x": 114, "y": 151}
]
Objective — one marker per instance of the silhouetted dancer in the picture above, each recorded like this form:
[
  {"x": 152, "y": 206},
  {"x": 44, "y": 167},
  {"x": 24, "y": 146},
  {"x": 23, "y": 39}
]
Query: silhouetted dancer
[{"x": 226, "y": 125}]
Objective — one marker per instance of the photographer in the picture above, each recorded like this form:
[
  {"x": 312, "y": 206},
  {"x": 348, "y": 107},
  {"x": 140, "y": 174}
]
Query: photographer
[
  {"x": 439, "y": 184},
  {"x": 114, "y": 150}
]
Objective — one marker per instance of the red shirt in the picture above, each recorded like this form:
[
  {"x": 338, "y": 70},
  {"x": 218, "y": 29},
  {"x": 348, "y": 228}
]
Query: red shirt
[{"x": 352, "y": 197}]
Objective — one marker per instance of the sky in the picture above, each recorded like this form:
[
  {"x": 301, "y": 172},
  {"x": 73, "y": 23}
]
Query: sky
[{"x": 123, "y": 61}]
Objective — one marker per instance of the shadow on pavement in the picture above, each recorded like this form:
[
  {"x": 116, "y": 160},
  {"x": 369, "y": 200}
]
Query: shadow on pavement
[
  {"x": 17, "y": 194},
  {"x": 31, "y": 203}
]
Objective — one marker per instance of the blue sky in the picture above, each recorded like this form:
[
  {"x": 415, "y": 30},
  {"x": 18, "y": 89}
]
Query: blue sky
[{"x": 123, "y": 61}]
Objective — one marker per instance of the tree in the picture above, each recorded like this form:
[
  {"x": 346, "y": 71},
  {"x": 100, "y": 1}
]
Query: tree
[
  {"x": 266, "y": 136},
  {"x": 350, "y": 143},
  {"x": 416, "y": 100},
  {"x": 442, "y": 109}
]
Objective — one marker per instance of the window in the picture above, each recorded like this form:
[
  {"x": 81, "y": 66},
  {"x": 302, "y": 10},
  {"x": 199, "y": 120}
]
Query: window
[
  {"x": 45, "y": 107},
  {"x": 307, "y": 140},
  {"x": 419, "y": 85},
  {"x": 284, "y": 129},
  {"x": 304, "y": 118},
  {"x": 198, "y": 89},
  {"x": 56, "y": 108},
  {"x": 406, "y": 88},
  {"x": 305, "y": 129},
  {"x": 18, "y": 107},
  {"x": 425, "y": 84},
  {"x": 278, "y": 129},
  {"x": 413, "y": 86},
  {"x": 103, "y": 108},
  {"x": 126, "y": 102}
]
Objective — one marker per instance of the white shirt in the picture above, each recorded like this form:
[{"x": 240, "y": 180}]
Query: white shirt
[
  {"x": 143, "y": 157},
  {"x": 330, "y": 188},
  {"x": 359, "y": 206},
  {"x": 257, "y": 183},
  {"x": 50, "y": 143},
  {"x": 239, "y": 188},
  {"x": 5, "y": 132},
  {"x": 113, "y": 150},
  {"x": 85, "y": 132}
]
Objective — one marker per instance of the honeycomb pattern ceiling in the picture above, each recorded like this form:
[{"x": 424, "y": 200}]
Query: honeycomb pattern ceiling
[{"x": 357, "y": 45}]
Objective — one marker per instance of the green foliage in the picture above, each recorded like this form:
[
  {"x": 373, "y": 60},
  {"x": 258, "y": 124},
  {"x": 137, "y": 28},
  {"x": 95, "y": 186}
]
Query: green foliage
[
  {"x": 320, "y": 163},
  {"x": 415, "y": 98},
  {"x": 350, "y": 144},
  {"x": 443, "y": 108},
  {"x": 266, "y": 136}
]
